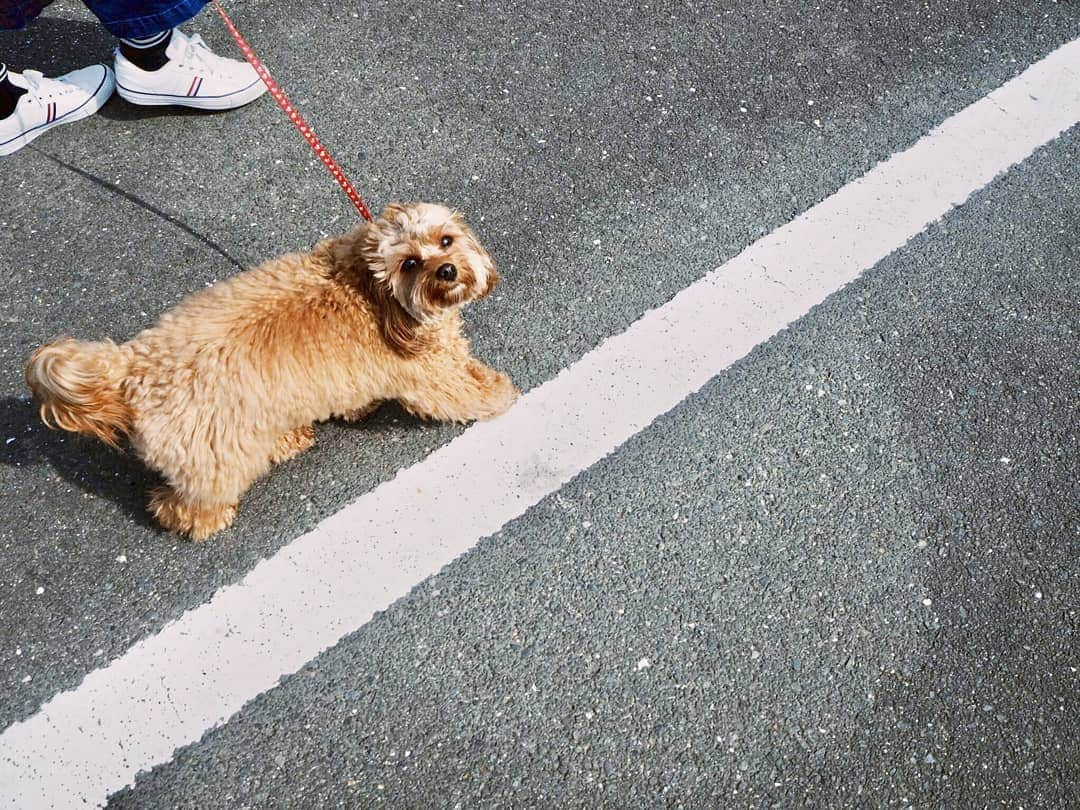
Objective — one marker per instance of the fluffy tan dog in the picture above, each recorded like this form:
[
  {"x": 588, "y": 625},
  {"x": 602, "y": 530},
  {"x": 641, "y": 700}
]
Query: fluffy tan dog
[{"x": 231, "y": 380}]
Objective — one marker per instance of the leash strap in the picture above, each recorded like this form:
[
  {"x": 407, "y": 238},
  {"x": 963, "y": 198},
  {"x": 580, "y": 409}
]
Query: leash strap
[{"x": 294, "y": 115}]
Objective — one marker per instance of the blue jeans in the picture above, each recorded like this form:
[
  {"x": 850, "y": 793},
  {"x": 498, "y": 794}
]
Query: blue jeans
[{"x": 123, "y": 18}]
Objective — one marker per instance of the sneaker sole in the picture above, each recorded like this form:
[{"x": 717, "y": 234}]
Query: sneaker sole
[
  {"x": 229, "y": 101},
  {"x": 84, "y": 110}
]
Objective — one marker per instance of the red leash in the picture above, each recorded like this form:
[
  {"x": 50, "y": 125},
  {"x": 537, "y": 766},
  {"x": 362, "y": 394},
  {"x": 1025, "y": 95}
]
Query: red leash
[{"x": 294, "y": 115}]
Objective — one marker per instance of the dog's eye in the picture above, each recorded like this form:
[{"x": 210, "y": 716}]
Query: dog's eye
[
  {"x": 410, "y": 264},
  {"x": 446, "y": 241}
]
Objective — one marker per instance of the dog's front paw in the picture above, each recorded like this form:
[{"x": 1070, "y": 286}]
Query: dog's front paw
[{"x": 499, "y": 395}]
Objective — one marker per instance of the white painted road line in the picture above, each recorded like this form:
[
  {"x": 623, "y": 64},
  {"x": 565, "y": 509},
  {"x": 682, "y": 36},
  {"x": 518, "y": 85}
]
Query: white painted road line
[{"x": 167, "y": 690}]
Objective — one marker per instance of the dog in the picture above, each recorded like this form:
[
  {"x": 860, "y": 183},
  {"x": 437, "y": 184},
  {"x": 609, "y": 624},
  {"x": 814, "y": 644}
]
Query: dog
[{"x": 231, "y": 380}]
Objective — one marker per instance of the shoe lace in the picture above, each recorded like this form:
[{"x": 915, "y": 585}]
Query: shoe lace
[
  {"x": 198, "y": 54},
  {"x": 41, "y": 86}
]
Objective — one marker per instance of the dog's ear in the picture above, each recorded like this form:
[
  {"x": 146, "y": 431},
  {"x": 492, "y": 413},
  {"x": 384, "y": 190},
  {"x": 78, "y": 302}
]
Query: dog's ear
[
  {"x": 489, "y": 265},
  {"x": 399, "y": 329},
  {"x": 381, "y": 234},
  {"x": 392, "y": 212},
  {"x": 391, "y": 222},
  {"x": 482, "y": 256}
]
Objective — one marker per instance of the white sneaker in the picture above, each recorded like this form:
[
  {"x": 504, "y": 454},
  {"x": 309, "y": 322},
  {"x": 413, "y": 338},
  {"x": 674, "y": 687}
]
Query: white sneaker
[
  {"x": 49, "y": 103},
  {"x": 194, "y": 76}
]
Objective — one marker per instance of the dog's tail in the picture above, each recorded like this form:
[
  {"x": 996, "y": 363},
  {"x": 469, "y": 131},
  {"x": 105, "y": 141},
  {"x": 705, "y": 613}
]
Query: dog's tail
[{"x": 78, "y": 384}]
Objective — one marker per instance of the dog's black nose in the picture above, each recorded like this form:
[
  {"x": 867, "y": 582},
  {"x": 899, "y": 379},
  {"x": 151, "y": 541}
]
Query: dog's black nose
[{"x": 446, "y": 272}]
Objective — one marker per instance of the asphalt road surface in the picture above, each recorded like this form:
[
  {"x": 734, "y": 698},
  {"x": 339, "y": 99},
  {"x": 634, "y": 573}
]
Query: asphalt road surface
[{"x": 842, "y": 574}]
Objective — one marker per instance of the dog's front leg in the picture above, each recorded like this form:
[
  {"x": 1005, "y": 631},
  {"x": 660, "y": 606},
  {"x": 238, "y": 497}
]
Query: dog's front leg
[{"x": 461, "y": 391}]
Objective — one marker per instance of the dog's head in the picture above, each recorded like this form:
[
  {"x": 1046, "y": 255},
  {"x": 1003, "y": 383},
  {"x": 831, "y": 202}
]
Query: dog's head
[{"x": 428, "y": 259}]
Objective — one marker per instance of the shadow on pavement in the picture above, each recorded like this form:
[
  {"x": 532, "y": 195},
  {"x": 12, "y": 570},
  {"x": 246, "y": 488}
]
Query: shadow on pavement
[
  {"x": 139, "y": 201},
  {"x": 88, "y": 464},
  {"x": 56, "y": 46},
  {"x": 119, "y": 110}
]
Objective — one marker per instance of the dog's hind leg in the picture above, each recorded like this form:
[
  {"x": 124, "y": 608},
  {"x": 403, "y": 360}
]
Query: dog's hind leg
[
  {"x": 356, "y": 414},
  {"x": 197, "y": 521},
  {"x": 201, "y": 499},
  {"x": 207, "y": 468},
  {"x": 293, "y": 443}
]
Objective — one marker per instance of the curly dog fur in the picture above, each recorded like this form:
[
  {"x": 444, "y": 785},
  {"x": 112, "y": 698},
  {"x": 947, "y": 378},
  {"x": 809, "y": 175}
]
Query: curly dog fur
[{"x": 231, "y": 380}]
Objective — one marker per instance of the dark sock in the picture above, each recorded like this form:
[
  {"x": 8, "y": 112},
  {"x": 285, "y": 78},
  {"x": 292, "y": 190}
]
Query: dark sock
[
  {"x": 147, "y": 53},
  {"x": 9, "y": 93}
]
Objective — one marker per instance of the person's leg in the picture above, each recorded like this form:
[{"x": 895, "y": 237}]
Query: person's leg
[
  {"x": 158, "y": 64},
  {"x": 32, "y": 104},
  {"x": 136, "y": 19},
  {"x": 9, "y": 93},
  {"x": 15, "y": 14},
  {"x": 147, "y": 53}
]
